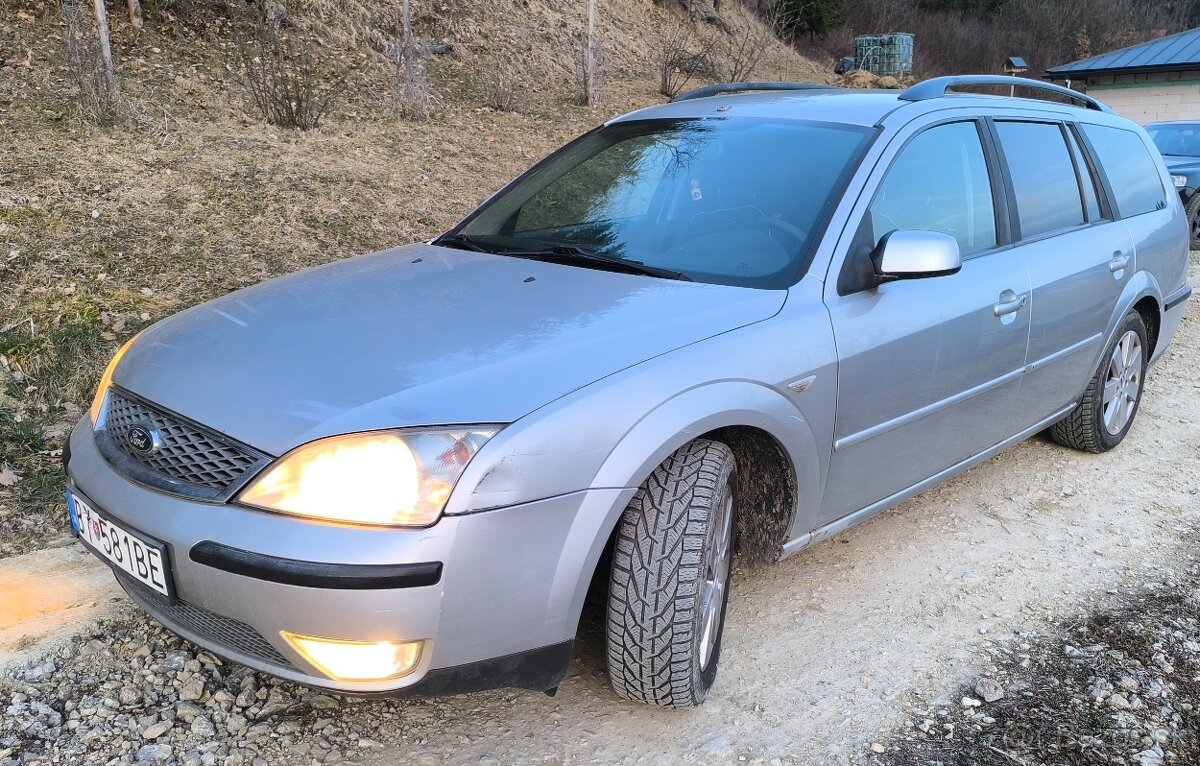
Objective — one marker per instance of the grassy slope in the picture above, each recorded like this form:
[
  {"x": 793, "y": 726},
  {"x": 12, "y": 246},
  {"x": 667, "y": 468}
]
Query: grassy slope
[{"x": 105, "y": 231}]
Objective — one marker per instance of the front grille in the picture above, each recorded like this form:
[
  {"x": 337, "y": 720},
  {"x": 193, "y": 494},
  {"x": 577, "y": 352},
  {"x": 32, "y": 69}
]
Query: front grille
[
  {"x": 223, "y": 632},
  {"x": 187, "y": 458}
]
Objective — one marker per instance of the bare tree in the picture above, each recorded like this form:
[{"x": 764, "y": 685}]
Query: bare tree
[
  {"x": 110, "y": 74},
  {"x": 135, "y": 13},
  {"x": 416, "y": 80},
  {"x": 90, "y": 61},
  {"x": 407, "y": 60}
]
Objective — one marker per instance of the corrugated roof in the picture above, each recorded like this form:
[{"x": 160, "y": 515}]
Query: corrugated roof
[{"x": 1179, "y": 51}]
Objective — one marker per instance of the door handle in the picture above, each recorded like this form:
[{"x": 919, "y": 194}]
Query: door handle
[
  {"x": 1118, "y": 262},
  {"x": 1009, "y": 303}
]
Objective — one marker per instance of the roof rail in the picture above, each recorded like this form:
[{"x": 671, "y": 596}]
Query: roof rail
[
  {"x": 735, "y": 87},
  {"x": 937, "y": 87}
]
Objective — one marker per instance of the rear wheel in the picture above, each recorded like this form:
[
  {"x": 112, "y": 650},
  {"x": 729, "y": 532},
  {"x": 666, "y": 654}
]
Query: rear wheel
[
  {"x": 1111, "y": 401},
  {"x": 670, "y": 578}
]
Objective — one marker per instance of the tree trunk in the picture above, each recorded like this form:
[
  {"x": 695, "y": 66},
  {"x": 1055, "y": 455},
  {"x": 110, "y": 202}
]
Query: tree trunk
[
  {"x": 135, "y": 13},
  {"x": 591, "y": 84},
  {"x": 110, "y": 75}
]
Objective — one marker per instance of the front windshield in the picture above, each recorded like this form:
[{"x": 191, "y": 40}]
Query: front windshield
[
  {"x": 736, "y": 201},
  {"x": 1176, "y": 140}
]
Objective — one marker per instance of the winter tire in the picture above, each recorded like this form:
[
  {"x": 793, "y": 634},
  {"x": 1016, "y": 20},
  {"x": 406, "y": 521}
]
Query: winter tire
[
  {"x": 670, "y": 578},
  {"x": 1111, "y": 401}
]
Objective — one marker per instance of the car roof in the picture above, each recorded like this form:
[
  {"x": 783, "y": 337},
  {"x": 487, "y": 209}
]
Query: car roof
[{"x": 839, "y": 105}]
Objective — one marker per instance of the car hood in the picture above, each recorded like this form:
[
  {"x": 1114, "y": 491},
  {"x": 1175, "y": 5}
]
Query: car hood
[
  {"x": 1189, "y": 166},
  {"x": 417, "y": 335}
]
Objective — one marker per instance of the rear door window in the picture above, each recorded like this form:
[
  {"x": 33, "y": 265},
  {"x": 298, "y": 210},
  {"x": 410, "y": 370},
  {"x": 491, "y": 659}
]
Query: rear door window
[
  {"x": 1131, "y": 171},
  {"x": 1043, "y": 177}
]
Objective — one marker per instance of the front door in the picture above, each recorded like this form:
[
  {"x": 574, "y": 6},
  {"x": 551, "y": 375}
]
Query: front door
[{"x": 929, "y": 369}]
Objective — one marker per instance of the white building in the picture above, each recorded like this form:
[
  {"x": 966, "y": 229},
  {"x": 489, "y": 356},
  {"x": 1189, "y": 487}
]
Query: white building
[{"x": 1158, "y": 80}]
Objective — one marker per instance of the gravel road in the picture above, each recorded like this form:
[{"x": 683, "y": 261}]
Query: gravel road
[{"x": 824, "y": 654}]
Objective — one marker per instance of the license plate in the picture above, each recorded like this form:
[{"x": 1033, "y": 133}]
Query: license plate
[{"x": 141, "y": 559}]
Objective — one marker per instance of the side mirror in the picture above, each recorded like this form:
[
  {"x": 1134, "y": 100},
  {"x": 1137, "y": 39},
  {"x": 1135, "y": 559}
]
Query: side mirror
[{"x": 915, "y": 255}]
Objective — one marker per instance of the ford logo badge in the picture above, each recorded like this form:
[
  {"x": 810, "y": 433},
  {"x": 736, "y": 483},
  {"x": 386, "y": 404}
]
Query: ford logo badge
[{"x": 143, "y": 439}]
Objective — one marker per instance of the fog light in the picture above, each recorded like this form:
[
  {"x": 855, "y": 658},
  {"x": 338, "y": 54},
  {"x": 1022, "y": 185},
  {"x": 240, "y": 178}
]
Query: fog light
[{"x": 357, "y": 660}]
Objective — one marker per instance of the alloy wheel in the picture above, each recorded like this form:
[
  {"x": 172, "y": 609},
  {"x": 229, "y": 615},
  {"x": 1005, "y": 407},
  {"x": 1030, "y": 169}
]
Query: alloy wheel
[
  {"x": 1123, "y": 383},
  {"x": 716, "y": 577}
]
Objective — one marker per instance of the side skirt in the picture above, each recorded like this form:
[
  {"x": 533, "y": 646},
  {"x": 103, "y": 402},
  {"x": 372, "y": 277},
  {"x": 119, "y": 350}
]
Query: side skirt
[{"x": 861, "y": 515}]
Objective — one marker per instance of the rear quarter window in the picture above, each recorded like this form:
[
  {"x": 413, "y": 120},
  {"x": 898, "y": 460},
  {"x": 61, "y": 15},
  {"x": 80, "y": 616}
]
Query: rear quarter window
[{"x": 1131, "y": 171}]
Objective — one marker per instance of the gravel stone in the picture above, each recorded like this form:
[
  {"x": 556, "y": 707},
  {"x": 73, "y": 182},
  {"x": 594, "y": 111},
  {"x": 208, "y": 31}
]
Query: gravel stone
[
  {"x": 153, "y": 753},
  {"x": 202, "y": 727},
  {"x": 193, "y": 688},
  {"x": 187, "y": 712},
  {"x": 130, "y": 695},
  {"x": 175, "y": 661},
  {"x": 989, "y": 690}
]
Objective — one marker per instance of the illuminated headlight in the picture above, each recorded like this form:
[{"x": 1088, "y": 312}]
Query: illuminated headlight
[
  {"x": 106, "y": 380},
  {"x": 393, "y": 478},
  {"x": 357, "y": 660},
  {"x": 1180, "y": 181}
]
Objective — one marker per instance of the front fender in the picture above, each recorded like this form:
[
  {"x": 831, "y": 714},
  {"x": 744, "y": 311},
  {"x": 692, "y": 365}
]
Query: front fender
[
  {"x": 697, "y": 411},
  {"x": 652, "y": 439}
]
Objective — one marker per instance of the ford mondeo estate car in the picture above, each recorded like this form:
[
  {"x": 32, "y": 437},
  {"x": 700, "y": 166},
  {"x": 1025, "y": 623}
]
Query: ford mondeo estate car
[{"x": 727, "y": 326}]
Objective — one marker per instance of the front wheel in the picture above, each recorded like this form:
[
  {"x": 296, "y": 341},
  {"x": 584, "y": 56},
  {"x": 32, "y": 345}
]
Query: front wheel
[
  {"x": 670, "y": 578},
  {"x": 1105, "y": 415},
  {"x": 1192, "y": 209}
]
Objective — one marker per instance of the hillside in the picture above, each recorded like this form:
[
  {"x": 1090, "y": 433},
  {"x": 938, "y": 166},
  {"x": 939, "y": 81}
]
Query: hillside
[{"x": 103, "y": 231}]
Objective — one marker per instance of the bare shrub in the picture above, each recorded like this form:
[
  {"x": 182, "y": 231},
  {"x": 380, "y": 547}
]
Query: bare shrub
[
  {"x": 281, "y": 73},
  {"x": 739, "y": 52},
  {"x": 89, "y": 61},
  {"x": 678, "y": 63},
  {"x": 498, "y": 91}
]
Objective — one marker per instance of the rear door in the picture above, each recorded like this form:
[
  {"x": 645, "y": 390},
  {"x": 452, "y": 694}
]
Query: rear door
[
  {"x": 1079, "y": 258},
  {"x": 928, "y": 368}
]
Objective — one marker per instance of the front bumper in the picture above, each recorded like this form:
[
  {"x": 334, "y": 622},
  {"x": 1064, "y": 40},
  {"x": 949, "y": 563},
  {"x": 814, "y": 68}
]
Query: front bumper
[{"x": 502, "y": 611}]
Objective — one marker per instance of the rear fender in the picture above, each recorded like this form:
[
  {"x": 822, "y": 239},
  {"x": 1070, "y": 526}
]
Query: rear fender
[{"x": 1140, "y": 285}]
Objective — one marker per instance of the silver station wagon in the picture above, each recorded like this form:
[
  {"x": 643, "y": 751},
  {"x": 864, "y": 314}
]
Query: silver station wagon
[{"x": 727, "y": 326}]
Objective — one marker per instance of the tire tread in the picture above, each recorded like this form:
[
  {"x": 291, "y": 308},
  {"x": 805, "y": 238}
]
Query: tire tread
[{"x": 657, "y": 566}]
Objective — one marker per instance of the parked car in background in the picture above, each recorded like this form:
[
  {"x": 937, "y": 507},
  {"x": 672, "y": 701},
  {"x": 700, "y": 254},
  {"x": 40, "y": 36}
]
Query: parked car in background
[
  {"x": 1179, "y": 143},
  {"x": 734, "y": 324}
]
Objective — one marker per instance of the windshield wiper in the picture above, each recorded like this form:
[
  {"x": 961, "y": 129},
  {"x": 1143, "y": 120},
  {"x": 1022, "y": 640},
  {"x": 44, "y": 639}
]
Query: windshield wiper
[
  {"x": 462, "y": 242},
  {"x": 572, "y": 254}
]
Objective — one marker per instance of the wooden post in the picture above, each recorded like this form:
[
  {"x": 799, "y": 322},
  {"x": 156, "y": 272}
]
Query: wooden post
[{"x": 591, "y": 86}]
